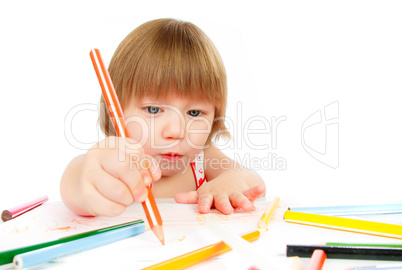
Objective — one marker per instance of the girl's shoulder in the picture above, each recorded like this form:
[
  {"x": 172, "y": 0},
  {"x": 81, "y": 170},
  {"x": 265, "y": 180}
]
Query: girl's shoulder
[
  {"x": 216, "y": 162},
  {"x": 212, "y": 151}
]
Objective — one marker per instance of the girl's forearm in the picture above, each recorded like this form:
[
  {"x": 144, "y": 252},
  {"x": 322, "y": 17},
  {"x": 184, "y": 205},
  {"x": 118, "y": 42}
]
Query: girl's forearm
[
  {"x": 68, "y": 186},
  {"x": 242, "y": 178}
]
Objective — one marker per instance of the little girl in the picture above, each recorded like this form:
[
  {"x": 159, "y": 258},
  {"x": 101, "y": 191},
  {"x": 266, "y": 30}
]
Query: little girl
[{"x": 171, "y": 84}]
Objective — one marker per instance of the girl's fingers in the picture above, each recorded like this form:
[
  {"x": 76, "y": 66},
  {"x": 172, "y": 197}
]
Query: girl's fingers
[
  {"x": 129, "y": 165},
  {"x": 205, "y": 201},
  {"x": 98, "y": 205},
  {"x": 137, "y": 161},
  {"x": 112, "y": 188},
  {"x": 222, "y": 203},
  {"x": 237, "y": 199},
  {"x": 187, "y": 197},
  {"x": 129, "y": 175},
  {"x": 154, "y": 168},
  {"x": 253, "y": 193}
]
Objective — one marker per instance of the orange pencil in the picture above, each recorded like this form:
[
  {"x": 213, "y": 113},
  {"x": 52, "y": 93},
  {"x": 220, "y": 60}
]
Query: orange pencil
[
  {"x": 197, "y": 256},
  {"x": 116, "y": 113},
  {"x": 317, "y": 260}
]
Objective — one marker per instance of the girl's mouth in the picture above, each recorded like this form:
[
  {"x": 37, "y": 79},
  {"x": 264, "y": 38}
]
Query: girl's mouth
[{"x": 171, "y": 156}]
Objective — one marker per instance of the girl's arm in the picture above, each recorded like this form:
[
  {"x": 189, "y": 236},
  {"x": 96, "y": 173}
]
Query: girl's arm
[
  {"x": 229, "y": 185},
  {"x": 69, "y": 181}
]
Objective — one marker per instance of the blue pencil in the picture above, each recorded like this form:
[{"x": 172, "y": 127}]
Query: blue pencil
[
  {"x": 48, "y": 254},
  {"x": 351, "y": 209},
  {"x": 378, "y": 267}
]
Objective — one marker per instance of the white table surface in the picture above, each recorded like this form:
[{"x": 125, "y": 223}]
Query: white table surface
[{"x": 271, "y": 245}]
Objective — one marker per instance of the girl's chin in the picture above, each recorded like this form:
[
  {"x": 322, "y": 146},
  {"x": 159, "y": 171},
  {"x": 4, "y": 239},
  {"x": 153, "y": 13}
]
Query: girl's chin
[
  {"x": 170, "y": 172},
  {"x": 172, "y": 168}
]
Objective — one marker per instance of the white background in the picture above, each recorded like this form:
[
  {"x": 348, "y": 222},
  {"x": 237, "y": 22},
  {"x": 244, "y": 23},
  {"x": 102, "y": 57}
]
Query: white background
[{"x": 283, "y": 59}]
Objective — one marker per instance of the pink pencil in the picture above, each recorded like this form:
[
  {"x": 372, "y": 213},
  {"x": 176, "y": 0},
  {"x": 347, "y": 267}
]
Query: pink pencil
[
  {"x": 317, "y": 260},
  {"x": 21, "y": 209}
]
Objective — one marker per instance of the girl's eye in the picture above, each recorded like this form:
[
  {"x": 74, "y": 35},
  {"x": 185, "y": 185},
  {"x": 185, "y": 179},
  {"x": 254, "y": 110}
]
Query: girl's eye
[
  {"x": 153, "y": 110},
  {"x": 194, "y": 113}
]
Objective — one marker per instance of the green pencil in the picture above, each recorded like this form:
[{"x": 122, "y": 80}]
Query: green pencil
[
  {"x": 363, "y": 245},
  {"x": 8, "y": 255}
]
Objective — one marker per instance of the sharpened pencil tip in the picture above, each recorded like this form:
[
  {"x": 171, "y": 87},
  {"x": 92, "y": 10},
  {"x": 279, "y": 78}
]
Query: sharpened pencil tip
[{"x": 158, "y": 231}]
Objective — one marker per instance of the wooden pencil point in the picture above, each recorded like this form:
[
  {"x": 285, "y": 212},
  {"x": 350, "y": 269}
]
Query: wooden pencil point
[
  {"x": 266, "y": 217},
  {"x": 6, "y": 215},
  {"x": 158, "y": 231},
  {"x": 23, "y": 208}
]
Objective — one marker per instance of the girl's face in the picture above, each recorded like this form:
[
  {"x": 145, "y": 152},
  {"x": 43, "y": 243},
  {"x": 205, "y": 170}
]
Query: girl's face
[{"x": 172, "y": 129}]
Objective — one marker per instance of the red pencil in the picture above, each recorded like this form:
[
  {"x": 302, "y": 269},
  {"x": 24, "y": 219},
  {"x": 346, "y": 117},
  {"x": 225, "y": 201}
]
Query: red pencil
[
  {"x": 116, "y": 113},
  {"x": 317, "y": 260},
  {"x": 21, "y": 209}
]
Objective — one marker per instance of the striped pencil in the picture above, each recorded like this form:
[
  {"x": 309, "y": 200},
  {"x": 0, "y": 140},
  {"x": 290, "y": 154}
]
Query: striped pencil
[
  {"x": 21, "y": 209},
  {"x": 386, "y": 245},
  {"x": 344, "y": 210},
  {"x": 8, "y": 255},
  {"x": 317, "y": 260},
  {"x": 116, "y": 113},
  {"x": 354, "y": 253},
  {"x": 345, "y": 224},
  {"x": 43, "y": 255},
  {"x": 378, "y": 267},
  {"x": 266, "y": 217},
  {"x": 238, "y": 244},
  {"x": 200, "y": 255}
]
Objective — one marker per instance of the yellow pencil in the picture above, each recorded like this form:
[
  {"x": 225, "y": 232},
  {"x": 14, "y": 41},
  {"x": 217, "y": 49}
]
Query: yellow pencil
[
  {"x": 266, "y": 217},
  {"x": 192, "y": 258},
  {"x": 345, "y": 224}
]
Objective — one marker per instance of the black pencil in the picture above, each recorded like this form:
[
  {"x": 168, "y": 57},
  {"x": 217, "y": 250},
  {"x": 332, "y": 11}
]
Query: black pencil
[{"x": 347, "y": 252}]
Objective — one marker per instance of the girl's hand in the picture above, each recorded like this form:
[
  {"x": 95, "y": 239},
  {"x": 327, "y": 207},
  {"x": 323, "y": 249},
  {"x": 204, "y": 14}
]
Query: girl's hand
[
  {"x": 111, "y": 176},
  {"x": 225, "y": 193}
]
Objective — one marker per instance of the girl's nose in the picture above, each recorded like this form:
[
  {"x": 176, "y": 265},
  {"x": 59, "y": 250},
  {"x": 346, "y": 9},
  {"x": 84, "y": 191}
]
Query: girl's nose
[{"x": 174, "y": 126}]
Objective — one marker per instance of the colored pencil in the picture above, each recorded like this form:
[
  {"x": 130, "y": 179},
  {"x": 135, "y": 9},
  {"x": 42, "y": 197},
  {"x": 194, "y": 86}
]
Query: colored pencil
[
  {"x": 43, "y": 255},
  {"x": 378, "y": 267},
  {"x": 345, "y": 224},
  {"x": 363, "y": 245},
  {"x": 8, "y": 255},
  {"x": 23, "y": 208},
  {"x": 343, "y": 210},
  {"x": 116, "y": 113},
  {"x": 238, "y": 244},
  {"x": 317, "y": 260},
  {"x": 266, "y": 217},
  {"x": 354, "y": 253},
  {"x": 197, "y": 256}
]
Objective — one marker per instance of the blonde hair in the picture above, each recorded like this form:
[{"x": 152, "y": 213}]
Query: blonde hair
[{"x": 166, "y": 54}]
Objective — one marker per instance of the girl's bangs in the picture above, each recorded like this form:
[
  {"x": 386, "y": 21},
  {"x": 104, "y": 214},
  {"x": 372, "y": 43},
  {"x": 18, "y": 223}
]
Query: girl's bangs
[{"x": 182, "y": 62}]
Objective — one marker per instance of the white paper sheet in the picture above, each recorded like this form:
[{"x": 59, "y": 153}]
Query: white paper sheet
[{"x": 182, "y": 225}]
